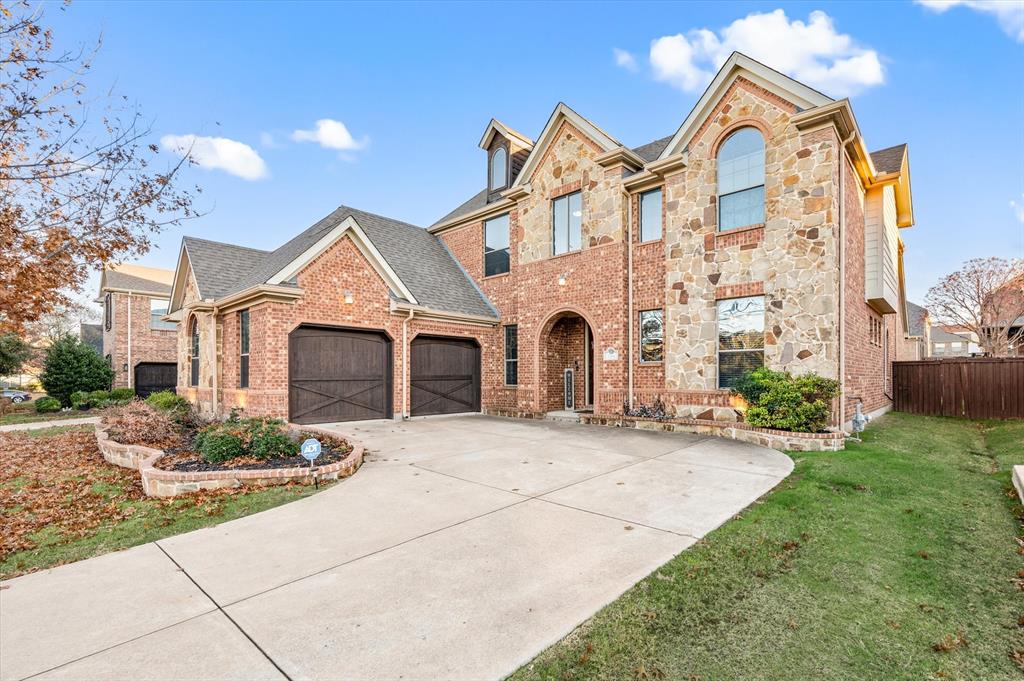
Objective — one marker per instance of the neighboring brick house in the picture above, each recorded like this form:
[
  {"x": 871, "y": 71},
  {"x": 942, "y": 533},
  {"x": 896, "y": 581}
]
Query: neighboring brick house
[
  {"x": 947, "y": 343},
  {"x": 137, "y": 343},
  {"x": 585, "y": 275}
]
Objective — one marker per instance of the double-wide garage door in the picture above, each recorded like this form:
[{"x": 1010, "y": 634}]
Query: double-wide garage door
[{"x": 346, "y": 375}]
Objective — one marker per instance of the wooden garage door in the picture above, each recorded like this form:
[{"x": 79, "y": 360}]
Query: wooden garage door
[
  {"x": 445, "y": 376},
  {"x": 338, "y": 375},
  {"x": 152, "y": 377}
]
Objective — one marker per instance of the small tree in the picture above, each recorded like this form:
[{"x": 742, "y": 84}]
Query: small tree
[
  {"x": 72, "y": 366},
  {"x": 985, "y": 296},
  {"x": 14, "y": 352}
]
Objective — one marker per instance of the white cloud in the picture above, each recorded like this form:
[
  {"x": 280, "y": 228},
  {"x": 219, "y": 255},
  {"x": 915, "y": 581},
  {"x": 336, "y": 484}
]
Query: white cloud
[
  {"x": 330, "y": 134},
  {"x": 1018, "y": 209},
  {"x": 625, "y": 59},
  {"x": 811, "y": 52},
  {"x": 220, "y": 153},
  {"x": 1009, "y": 13}
]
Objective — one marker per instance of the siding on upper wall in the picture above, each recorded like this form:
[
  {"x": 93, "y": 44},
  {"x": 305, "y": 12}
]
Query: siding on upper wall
[{"x": 881, "y": 248}]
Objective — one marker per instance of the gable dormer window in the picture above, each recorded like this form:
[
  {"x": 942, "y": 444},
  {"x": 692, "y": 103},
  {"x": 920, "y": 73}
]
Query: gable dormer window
[{"x": 499, "y": 169}]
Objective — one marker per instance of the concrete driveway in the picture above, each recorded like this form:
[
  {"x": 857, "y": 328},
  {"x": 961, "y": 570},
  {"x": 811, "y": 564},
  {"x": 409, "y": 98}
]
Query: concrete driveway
[{"x": 463, "y": 547}]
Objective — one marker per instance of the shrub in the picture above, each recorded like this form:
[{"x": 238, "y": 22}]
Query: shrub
[
  {"x": 262, "y": 438},
  {"x": 168, "y": 400},
  {"x": 137, "y": 423},
  {"x": 47, "y": 404},
  {"x": 14, "y": 353},
  {"x": 122, "y": 395},
  {"x": 80, "y": 400},
  {"x": 785, "y": 402},
  {"x": 71, "y": 366}
]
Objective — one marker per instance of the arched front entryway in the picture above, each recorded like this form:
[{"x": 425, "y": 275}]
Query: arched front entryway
[{"x": 566, "y": 371}]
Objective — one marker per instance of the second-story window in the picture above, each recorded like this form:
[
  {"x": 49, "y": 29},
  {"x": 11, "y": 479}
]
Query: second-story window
[
  {"x": 157, "y": 309},
  {"x": 194, "y": 353},
  {"x": 243, "y": 349},
  {"x": 108, "y": 311},
  {"x": 650, "y": 215},
  {"x": 496, "y": 241},
  {"x": 567, "y": 222},
  {"x": 499, "y": 169},
  {"x": 741, "y": 180}
]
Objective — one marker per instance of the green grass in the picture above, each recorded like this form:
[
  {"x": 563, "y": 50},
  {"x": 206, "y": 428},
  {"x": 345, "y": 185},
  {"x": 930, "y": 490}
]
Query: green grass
[
  {"x": 30, "y": 415},
  {"x": 855, "y": 567}
]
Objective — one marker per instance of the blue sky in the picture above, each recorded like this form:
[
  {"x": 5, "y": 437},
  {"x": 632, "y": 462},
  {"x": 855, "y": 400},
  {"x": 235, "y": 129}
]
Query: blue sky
[{"x": 414, "y": 86}]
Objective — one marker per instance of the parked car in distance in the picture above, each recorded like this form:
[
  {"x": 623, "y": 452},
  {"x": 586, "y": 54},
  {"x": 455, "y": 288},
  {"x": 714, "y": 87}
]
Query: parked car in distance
[{"x": 17, "y": 396}]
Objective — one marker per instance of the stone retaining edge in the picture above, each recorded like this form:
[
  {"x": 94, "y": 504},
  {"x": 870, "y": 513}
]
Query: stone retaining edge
[
  {"x": 782, "y": 440},
  {"x": 161, "y": 483}
]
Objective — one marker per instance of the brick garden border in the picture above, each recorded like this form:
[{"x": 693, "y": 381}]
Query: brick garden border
[
  {"x": 781, "y": 440},
  {"x": 161, "y": 483}
]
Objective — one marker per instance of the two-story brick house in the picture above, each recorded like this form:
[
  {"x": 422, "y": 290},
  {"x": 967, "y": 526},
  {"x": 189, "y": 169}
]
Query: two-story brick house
[
  {"x": 138, "y": 344},
  {"x": 584, "y": 275}
]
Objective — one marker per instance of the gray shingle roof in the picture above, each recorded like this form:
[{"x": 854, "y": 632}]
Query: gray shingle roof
[
  {"x": 652, "y": 150},
  {"x": 888, "y": 160},
  {"x": 940, "y": 335},
  {"x": 475, "y": 202},
  {"x": 418, "y": 257},
  {"x": 121, "y": 280},
  {"x": 218, "y": 266},
  {"x": 915, "y": 319}
]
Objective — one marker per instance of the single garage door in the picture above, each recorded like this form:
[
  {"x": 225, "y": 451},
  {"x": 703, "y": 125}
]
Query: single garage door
[
  {"x": 445, "y": 376},
  {"x": 152, "y": 377},
  {"x": 338, "y": 375}
]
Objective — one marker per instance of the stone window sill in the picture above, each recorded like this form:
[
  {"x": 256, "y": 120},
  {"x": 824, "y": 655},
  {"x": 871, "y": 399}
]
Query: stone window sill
[{"x": 488, "y": 277}]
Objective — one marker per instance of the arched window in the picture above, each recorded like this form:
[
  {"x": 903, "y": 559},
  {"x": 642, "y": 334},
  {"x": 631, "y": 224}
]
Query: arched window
[
  {"x": 499, "y": 168},
  {"x": 741, "y": 180},
  {"x": 194, "y": 352}
]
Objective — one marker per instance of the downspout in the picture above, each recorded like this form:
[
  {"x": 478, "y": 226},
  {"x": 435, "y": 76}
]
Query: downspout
[
  {"x": 405, "y": 365},
  {"x": 214, "y": 402},
  {"x": 842, "y": 279},
  {"x": 130, "y": 372},
  {"x": 629, "y": 296}
]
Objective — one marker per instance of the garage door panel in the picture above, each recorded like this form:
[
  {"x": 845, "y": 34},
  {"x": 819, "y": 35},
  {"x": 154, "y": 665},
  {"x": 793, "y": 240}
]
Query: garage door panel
[
  {"x": 151, "y": 377},
  {"x": 338, "y": 375},
  {"x": 444, "y": 376}
]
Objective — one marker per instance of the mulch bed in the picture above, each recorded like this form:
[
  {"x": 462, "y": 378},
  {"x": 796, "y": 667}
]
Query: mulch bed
[{"x": 188, "y": 461}]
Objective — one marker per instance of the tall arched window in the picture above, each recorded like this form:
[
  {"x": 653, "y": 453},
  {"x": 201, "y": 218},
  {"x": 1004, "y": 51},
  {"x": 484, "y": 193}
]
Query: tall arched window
[
  {"x": 499, "y": 168},
  {"x": 741, "y": 179},
  {"x": 194, "y": 352}
]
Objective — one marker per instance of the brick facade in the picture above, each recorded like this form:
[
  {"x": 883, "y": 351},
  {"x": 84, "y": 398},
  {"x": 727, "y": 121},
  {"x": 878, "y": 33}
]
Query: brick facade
[{"x": 147, "y": 344}]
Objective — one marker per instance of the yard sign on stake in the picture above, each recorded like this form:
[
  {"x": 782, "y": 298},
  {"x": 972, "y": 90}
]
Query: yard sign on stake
[{"x": 311, "y": 450}]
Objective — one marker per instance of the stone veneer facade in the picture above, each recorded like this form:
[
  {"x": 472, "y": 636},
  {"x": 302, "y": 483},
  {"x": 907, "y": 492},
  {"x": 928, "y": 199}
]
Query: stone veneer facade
[{"x": 793, "y": 259}]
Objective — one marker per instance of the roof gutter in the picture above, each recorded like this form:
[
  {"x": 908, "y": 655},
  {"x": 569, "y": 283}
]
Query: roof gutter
[
  {"x": 457, "y": 317},
  {"x": 272, "y": 292},
  {"x": 487, "y": 211}
]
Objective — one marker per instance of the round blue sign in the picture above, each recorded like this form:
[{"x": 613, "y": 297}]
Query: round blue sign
[{"x": 311, "y": 449}]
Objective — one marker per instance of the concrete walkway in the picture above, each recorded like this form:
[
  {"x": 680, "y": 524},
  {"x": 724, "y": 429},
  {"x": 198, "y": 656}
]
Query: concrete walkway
[
  {"x": 461, "y": 549},
  {"x": 52, "y": 423}
]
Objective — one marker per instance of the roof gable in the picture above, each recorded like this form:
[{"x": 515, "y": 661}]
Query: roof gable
[
  {"x": 735, "y": 66},
  {"x": 562, "y": 113}
]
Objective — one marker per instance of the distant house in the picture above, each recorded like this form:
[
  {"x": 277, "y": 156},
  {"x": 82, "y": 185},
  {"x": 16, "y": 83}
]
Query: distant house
[
  {"x": 917, "y": 343},
  {"x": 947, "y": 344},
  {"x": 138, "y": 344}
]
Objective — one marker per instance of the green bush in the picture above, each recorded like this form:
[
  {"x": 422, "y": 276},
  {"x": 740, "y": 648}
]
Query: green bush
[
  {"x": 72, "y": 366},
  {"x": 261, "y": 438},
  {"x": 782, "y": 401},
  {"x": 168, "y": 400},
  {"x": 80, "y": 400},
  {"x": 47, "y": 404},
  {"x": 122, "y": 395}
]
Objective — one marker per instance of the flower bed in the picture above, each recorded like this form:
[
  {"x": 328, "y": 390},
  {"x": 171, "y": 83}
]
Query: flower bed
[
  {"x": 158, "y": 482},
  {"x": 783, "y": 440}
]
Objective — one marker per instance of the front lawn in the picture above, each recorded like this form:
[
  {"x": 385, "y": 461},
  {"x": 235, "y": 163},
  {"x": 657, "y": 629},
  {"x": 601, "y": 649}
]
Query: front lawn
[
  {"x": 28, "y": 414},
  {"x": 61, "y": 502},
  {"x": 899, "y": 558}
]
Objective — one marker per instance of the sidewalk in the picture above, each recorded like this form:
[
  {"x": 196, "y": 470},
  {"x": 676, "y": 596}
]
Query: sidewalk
[{"x": 53, "y": 423}]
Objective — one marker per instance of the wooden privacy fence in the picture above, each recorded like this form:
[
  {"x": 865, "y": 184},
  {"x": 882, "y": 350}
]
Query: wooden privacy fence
[{"x": 975, "y": 388}]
